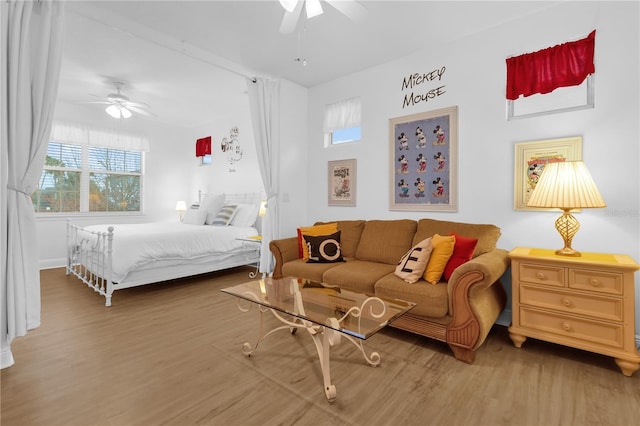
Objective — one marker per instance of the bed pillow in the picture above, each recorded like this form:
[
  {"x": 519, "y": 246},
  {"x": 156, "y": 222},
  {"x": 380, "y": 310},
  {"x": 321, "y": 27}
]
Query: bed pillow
[
  {"x": 324, "y": 248},
  {"x": 462, "y": 253},
  {"x": 245, "y": 215},
  {"x": 314, "y": 231},
  {"x": 412, "y": 265},
  {"x": 194, "y": 216},
  {"x": 224, "y": 216},
  {"x": 212, "y": 203},
  {"x": 442, "y": 251}
]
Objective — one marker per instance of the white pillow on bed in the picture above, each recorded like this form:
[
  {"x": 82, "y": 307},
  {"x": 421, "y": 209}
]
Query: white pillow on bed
[
  {"x": 245, "y": 215},
  {"x": 194, "y": 216},
  {"x": 211, "y": 204}
]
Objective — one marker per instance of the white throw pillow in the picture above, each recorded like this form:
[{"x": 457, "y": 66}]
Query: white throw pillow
[
  {"x": 194, "y": 217},
  {"x": 245, "y": 215}
]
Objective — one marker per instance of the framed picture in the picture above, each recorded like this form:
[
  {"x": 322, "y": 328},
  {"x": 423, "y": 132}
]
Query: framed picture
[
  {"x": 530, "y": 159},
  {"x": 342, "y": 182},
  {"x": 424, "y": 161}
]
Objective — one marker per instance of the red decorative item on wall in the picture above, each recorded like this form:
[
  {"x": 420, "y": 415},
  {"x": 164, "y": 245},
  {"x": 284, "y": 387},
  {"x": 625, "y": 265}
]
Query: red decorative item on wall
[
  {"x": 567, "y": 64},
  {"x": 203, "y": 146}
]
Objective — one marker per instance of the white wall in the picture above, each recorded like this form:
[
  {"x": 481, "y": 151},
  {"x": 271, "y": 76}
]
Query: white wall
[{"x": 475, "y": 82}]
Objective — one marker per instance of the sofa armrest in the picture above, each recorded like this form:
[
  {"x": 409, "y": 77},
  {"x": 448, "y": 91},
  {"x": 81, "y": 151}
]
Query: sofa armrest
[
  {"x": 491, "y": 265},
  {"x": 283, "y": 250},
  {"x": 476, "y": 299}
]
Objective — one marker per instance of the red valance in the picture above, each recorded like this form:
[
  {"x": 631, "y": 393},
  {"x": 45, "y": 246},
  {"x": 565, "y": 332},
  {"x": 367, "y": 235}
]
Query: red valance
[
  {"x": 566, "y": 64},
  {"x": 203, "y": 146}
]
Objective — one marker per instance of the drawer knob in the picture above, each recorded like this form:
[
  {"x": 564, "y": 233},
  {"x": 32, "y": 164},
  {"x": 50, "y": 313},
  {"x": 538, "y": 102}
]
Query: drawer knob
[
  {"x": 566, "y": 326},
  {"x": 566, "y": 302},
  {"x": 540, "y": 276},
  {"x": 594, "y": 282}
]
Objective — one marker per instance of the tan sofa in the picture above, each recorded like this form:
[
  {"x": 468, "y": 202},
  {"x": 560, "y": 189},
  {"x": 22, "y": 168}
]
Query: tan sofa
[{"x": 459, "y": 312}]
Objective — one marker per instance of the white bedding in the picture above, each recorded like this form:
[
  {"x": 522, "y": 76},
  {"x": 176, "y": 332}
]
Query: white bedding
[{"x": 137, "y": 246}]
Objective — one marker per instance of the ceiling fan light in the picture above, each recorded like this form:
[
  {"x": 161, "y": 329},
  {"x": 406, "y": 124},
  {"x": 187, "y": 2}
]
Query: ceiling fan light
[
  {"x": 313, "y": 8},
  {"x": 125, "y": 112},
  {"x": 289, "y": 5},
  {"x": 113, "y": 111}
]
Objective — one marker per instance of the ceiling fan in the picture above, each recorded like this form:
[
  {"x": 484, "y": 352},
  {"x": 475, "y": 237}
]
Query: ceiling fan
[
  {"x": 119, "y": 105},
  {"x": 352, "y": 9}
]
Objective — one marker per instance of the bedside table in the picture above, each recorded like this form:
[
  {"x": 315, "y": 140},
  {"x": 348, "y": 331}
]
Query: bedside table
[{"x": 584, "y": 302}]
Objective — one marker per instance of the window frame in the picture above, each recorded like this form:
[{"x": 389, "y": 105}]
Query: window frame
[{"x": 85, "y": 189}]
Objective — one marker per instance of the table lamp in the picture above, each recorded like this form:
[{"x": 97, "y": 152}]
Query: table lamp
[
  {"x": 181, "y": 207},
  {"x": 566, "y": 185}
]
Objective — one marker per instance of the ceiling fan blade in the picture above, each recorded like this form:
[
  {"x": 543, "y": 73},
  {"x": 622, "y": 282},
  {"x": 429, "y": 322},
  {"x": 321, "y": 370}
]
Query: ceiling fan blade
[
  {"x": 290, "y": 19},
  {"x": 140, "y": 111},
  {"x": 94, "y": 102},
  {"x": 352, "y": 9},
  {"x": 136, "y": 104}
]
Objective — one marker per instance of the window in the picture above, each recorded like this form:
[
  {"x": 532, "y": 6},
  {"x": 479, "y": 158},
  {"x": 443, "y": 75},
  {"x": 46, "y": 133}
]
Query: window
[
  {"x": 342, "y": 122},
  {"x": 84, "y": 177},
  {"x": 114, "y": 180},
  {"x": 59, "y": 187}
]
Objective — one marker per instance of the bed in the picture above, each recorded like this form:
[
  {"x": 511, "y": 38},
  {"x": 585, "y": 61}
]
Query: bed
[{"x": 112, "y": 257}]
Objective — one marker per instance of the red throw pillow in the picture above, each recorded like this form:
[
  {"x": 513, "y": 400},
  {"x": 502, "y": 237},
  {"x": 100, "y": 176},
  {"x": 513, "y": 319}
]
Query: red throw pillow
[{"x": 462, "y": 253}]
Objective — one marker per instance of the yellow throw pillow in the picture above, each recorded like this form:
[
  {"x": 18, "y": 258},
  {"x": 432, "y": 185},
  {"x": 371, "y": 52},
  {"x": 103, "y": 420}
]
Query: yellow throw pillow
[
  {"x": 313, "y": 231},
  {"x": 442, "y": 251},
  {"x": 412, "y": 265}
]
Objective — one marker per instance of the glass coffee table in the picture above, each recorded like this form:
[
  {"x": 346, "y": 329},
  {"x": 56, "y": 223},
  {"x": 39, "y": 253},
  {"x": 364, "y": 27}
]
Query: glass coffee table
[{"x": 327, "y": 313}]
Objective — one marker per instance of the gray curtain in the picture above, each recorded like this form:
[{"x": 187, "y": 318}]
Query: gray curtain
[
  {"x": 32, "y": 40},
  {"x": 264, "y": 101}
]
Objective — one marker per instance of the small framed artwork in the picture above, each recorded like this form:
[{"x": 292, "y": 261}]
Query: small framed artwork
[
  {"x": 424, "y": 161},
  {"x": 530, "y": 159},
  {"x": 342, "y": 182}
]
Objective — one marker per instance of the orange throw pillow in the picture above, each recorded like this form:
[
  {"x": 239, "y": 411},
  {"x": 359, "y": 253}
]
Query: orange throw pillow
[{"x": 442, "y": 251}]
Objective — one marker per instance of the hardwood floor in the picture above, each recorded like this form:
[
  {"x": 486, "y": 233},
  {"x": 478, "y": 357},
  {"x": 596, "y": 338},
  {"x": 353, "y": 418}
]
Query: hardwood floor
[{"x": 170, "y": 354}]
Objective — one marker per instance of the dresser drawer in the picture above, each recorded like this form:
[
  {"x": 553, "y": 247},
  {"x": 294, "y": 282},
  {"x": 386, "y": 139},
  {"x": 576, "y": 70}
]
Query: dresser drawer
[
  {"x": 563, "y": 326},
  {"x": 593, "y": 305},
  {"x": 540, "y": 274},
  {"x": 598, "y": 281}
]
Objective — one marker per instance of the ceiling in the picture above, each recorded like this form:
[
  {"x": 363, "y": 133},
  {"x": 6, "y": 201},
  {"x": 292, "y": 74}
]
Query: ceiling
[{"x": 187, "y": 59}]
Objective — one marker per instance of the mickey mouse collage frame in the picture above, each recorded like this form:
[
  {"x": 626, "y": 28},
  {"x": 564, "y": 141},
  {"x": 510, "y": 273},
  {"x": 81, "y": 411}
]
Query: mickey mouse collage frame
[{"x": 424, "y": 161}]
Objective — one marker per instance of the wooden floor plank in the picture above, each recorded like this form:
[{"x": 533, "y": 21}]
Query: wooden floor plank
[{"x": 170, "y": 354}]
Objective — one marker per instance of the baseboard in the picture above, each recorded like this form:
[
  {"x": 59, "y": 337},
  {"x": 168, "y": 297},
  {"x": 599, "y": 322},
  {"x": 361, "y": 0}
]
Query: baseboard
[{"x": 53, "y": 263}]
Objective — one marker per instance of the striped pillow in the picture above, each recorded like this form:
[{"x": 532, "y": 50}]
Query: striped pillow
[{"x": 224, "y": 216}]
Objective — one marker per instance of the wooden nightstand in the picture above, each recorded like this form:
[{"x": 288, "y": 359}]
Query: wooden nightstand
[{"x": 583, "y": 302}]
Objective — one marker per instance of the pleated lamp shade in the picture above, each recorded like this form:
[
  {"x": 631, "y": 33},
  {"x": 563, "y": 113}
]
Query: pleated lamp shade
[{"x": 566, "y": 185}]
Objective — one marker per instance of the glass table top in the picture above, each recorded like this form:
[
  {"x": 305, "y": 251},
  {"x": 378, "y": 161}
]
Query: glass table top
[{"x": 359, "y": 315}]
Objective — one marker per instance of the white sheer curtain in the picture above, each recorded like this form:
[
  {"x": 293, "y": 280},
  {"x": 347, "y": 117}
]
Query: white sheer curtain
[
  {"x": 32, "y": 39},
  {"x": 264, "y": 101},
  {"x": 342, "y": 115},
  {"x": 82, "y": 134}
]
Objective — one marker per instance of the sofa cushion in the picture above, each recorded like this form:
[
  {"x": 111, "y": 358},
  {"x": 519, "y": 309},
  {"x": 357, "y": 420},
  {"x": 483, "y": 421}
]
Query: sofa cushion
[
  {"x": 350, "y": 232},
  {"x": 414, "y": 262},
  {"x": 312, "y": 271},
  {"x": 386, "y": 241},
  {"x": 440, "y": 255},
  {"x": 462, "y": 253},
  {"x": 487, "y": 235},
  {"x": 324, "y": 248},
  {"x": 357, "y": 275},
  {"x": 431, "y": 300},
  {"x": 324, "y": 229}
]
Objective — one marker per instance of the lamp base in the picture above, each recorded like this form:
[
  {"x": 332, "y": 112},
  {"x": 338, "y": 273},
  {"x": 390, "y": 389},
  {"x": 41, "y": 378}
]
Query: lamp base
[
  {"x": 567, "y": 226},
  {"x": 568, "y": 251}
]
